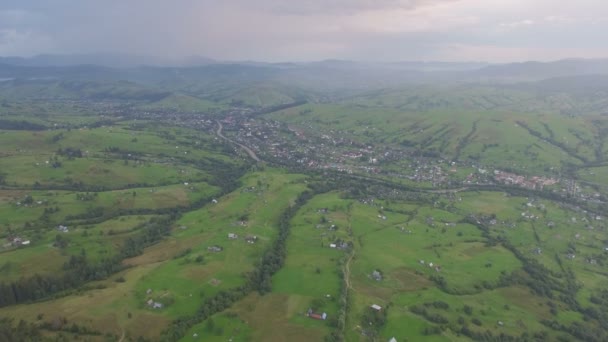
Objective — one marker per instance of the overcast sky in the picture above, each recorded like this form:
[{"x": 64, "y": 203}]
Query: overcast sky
[{"x": 303, "y": 30}]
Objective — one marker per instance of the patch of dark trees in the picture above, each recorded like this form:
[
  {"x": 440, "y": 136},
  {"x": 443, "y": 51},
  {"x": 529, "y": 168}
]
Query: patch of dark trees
[
  {"x": 374, "y": 321},
  {"x": 553, "y": 142},
  {"x": 338, "y": 323},
  {"x": 465, "y": 140},
  {"x": 277, "y": 108},
  {"x": 22, "y": 331},
  {"x": 561, "y": 286},
  {"x": 21, "y": 125},
  {"x": 70, "y": 152},
  {"x": 79, "y": 270}
]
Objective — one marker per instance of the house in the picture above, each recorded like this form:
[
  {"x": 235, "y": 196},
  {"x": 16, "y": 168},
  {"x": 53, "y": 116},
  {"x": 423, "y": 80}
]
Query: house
[
  {"x": 215, "y": 248},
  {"x": 314, "y": 315},
  {"x": 148, "y": 291},
  {"x": 376, "y": 307},
  {"x": 157, "y": 305},
  {"x": 214, "y": 201},
  {"x": 376, "y": 275},
  {"x": 251, "y": 239},
  {"x": 232, "y": 236},
  {"x": 150, "y": 302},
  {"x": 63, "y": 229},
  {"x": 25, "y": 243},
  {"x": 332, "y": 245},
  {"x": 392, "y": 339},
  {"x": 16, "y": 241}
]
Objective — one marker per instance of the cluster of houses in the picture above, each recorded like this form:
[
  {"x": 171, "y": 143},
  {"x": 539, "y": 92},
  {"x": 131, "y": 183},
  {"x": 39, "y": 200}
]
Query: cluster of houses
[
  {"x": 17, "y": 241},
  {"x": 533, "y": 183},
  {"x": 152, "y": 303},
  {"x": 251, "y": 239},
  {"x": 339, "y": 245},
  {"x": 430, "y": 265},
  {"x": 334, "y": 149}
]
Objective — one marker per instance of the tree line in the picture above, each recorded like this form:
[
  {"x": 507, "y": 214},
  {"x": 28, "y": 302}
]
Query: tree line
[
  {"x": 79, "y": 269},
  {"x": 257, "y": 280}
]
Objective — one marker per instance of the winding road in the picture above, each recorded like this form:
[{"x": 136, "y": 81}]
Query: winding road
[{"x": 247, "y": 149}]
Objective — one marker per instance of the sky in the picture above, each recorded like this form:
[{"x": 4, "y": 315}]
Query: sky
[{"x": 305, "y": 30}]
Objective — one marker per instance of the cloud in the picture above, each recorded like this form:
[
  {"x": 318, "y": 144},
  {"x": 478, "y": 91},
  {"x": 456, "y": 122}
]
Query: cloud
[
  {"x": 15, "y": 42},
  {"x": 303, "y": 30},
  {"x": 518, "y": 24},
  {"x": 333, "y": 7}
]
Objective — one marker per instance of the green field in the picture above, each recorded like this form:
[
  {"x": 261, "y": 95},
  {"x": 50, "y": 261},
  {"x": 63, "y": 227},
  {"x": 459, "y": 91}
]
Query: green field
[{"x": 126, "y": 216}]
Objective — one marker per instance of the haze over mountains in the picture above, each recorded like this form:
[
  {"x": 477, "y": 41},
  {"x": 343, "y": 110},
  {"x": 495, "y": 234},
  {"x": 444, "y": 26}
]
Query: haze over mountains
[
  {"x": 581, "y": 83},
  {"x": 132, "y": 67}
]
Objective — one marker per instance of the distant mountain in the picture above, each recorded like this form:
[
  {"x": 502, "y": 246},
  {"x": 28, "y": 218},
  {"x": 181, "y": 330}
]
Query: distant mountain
[
  {"x": 544, "y": 70},
  {"x": 440, "y": 66},
  {"x": 54, "y": 72},
  {"x": 106, "y": 60},
  {"x": 590, "y": 85},
  {"x": 207, "y": 79}
]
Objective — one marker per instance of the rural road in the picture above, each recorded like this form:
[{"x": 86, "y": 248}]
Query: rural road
[
  {"x": 347, "y": 271},
  {"x": 247, "y": 149}
]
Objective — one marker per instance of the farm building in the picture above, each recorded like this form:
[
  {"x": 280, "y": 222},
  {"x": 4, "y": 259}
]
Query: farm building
[
  {"x": 215, "y": 248},
  {"x": 232, "y": 236},
  {"x": 314, "y": 315},
  {"x": 16, "y": 241},
  {"x": 155, "y": 305},
  {"x": 376, "y": 307}
]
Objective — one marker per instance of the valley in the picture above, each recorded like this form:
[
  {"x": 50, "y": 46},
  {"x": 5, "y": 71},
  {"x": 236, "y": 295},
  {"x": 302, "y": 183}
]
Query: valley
[{"x": 131, "y": 212}]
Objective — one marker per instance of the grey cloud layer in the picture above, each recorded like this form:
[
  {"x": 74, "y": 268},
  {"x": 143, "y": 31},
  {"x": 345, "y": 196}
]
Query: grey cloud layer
[
  {"x": 333, "y": 6},
  {"x": 313, "y": 29}
]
